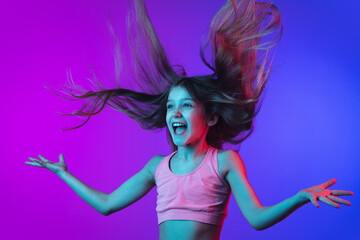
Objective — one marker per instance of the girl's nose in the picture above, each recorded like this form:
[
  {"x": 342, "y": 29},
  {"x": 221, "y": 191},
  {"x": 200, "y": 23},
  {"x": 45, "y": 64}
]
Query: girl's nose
[{"x": 177, "y": 113}]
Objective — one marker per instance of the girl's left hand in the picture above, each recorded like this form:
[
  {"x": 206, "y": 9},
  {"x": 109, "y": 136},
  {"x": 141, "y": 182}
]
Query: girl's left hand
[{"x": 327, "y": 196}]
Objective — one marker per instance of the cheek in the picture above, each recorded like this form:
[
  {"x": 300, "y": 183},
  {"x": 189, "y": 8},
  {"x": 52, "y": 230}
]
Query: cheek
[
  {"x": 167, "y": 123},
  {"x": 197, "y": 122}
]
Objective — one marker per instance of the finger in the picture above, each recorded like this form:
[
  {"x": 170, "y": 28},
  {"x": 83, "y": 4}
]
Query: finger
[
  {"x": 45, "y": 160},
  {"x": 339, "y": 200},
  {"x": 341, "y": 192},
  {"x": 61, "y": 157},
  {"x": 33, "y": 164},
  {"x": 329, "y": 202},
  {"x": 42, "y": 163},
  {"x": 36, "y": 162},
  {"x": 329, "y": 183},
  {"x": 313, "y": 200}
]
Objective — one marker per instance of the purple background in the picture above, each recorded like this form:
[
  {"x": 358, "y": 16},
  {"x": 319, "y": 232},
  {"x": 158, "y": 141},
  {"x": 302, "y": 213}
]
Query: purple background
[{"x": 306, "y": 133}]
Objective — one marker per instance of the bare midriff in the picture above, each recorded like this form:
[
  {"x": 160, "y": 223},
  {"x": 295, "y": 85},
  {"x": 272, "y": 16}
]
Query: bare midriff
[{"x": 188, "y": 230}]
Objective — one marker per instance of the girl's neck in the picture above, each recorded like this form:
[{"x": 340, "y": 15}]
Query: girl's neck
[{"x": 191, "y": 153}]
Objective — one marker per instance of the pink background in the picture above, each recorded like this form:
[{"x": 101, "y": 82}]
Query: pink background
[{"x": 306, "y": 133}]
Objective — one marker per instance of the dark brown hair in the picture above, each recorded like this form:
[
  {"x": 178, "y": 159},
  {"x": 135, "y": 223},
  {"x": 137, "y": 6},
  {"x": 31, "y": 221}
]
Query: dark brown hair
[{"x": 241, "y": 34}]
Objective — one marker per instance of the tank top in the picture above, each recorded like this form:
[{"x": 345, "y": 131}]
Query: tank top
[{"x": 201, "y": 195}]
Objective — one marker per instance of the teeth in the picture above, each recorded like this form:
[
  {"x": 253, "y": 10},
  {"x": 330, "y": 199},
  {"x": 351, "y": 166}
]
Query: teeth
[{"x": 178, "y": 125}]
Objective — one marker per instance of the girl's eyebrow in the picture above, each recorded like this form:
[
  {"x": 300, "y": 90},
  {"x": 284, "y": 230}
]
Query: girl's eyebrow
[{"x": 181, "y": 99}]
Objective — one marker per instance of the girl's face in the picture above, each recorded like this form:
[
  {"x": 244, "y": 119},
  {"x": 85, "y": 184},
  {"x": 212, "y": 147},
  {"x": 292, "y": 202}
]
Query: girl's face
[{"x": 185, "y": 118}]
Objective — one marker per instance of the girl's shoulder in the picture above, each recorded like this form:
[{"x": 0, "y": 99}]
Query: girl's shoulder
[
  {"x": 226, "y": 160},
  {"x": 221, "y": 157},
  {"x": 154, "y": 163}
]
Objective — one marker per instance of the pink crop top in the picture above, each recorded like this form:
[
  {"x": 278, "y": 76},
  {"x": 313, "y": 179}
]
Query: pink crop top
[{"x": 201, "y": 195}]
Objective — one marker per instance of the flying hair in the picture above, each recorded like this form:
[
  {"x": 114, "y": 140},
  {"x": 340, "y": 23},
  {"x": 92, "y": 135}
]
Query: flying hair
[{"x": 242, "y": 35}]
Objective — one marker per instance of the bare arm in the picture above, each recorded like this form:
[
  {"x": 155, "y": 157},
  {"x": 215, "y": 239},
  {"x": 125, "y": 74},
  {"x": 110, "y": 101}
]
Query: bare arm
[
  {"x": 261, "y": 217},
  {"x": 129, "y": 192},
  {"x": 134, "y": 188},
  {"x": 93, "y": 197},
  {"x": 265, "y": 217}
]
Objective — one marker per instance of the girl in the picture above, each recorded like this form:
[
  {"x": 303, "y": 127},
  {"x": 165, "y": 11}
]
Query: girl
[{"x": 200, "y": 114}]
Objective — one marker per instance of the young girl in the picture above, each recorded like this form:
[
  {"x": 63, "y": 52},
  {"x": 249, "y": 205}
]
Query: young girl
[{"x": 201, "y": 114}]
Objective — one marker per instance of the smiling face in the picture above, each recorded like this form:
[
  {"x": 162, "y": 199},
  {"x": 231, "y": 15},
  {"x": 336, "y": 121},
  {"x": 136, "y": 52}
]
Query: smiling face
[{"x": 182, "y": 108}]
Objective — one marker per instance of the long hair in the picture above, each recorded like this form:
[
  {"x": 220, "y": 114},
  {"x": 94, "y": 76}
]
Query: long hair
[{"x": 241, "y": 35}]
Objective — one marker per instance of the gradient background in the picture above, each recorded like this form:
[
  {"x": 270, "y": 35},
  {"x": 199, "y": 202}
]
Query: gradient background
[{"x": 306, "y": 133}]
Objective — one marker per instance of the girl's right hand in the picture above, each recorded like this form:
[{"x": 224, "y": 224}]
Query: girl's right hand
[
  {"x": 321, "y": 193},
  {"x": 59, "y": 167}
]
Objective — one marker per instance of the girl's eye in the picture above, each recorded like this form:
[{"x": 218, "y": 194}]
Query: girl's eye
[{"x": 186, "y": 104}]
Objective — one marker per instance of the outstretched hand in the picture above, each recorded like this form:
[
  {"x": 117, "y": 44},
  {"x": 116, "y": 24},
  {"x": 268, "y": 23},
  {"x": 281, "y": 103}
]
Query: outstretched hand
[
  {"x": 57, "y": 168},
  {"x": 320, "y": 192}
]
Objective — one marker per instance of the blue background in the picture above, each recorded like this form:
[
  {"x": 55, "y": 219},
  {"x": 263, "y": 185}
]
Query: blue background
[{"x": 306, "y": 133}]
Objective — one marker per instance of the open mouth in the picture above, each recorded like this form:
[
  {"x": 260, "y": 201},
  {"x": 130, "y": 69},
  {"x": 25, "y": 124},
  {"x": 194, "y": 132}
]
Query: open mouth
[{"x": 179, "y": 128}]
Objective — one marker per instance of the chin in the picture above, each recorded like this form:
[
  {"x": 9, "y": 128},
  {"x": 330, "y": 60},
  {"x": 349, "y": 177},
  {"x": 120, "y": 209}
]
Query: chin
[{"x": 179, "y": 144}]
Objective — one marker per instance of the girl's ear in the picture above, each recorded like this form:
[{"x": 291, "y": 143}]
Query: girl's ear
[{"x": 213, "y": 120}]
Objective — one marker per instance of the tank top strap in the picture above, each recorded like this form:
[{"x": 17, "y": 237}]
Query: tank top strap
[
  {"x": 164, "y": 165},
  {"x": 213, "y": 163}
]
